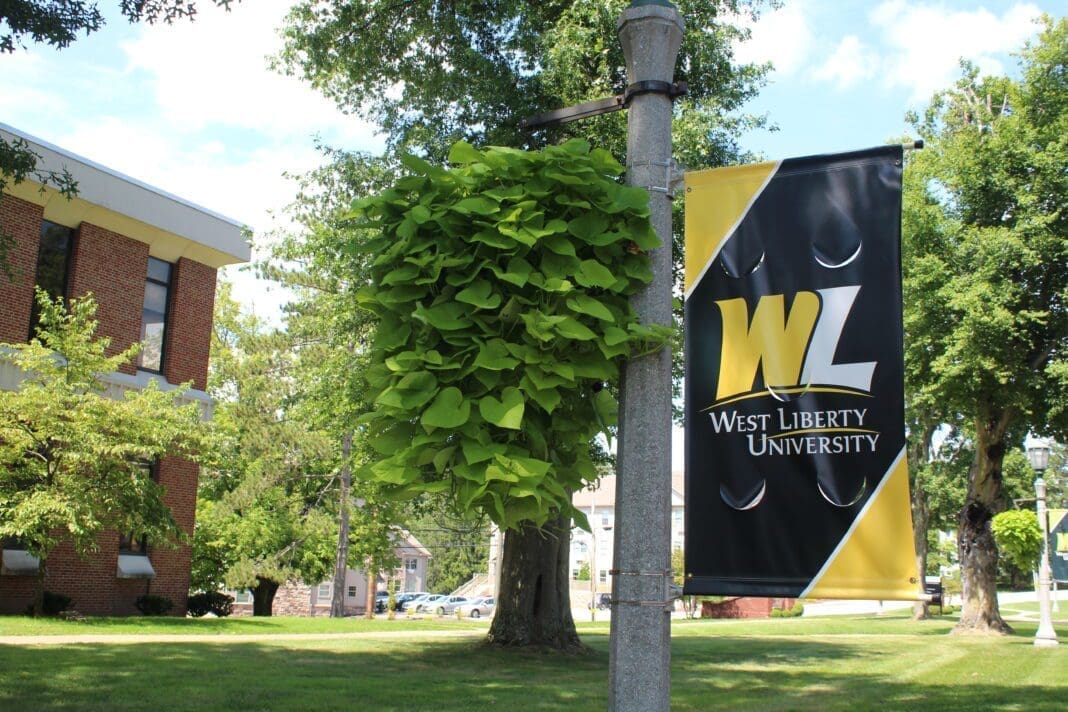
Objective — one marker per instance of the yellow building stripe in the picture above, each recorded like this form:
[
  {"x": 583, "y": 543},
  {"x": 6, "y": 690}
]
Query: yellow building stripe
[
  {"x": 876, "y": 558},
  {"x": 716, "y": 202}
]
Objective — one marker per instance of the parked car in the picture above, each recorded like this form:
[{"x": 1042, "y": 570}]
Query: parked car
[
  {"x": 425, "y": 603},
  {"x": 403, "y": 599},
  {"x": 449, "y": 605},
  {"x": 479, "y": 607},
  {"x": 603, "y": 602},
  {"x": 382, "y": 601}
]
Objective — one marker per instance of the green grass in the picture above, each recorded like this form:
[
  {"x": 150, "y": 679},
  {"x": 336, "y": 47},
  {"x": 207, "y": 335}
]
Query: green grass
[
  {"x": 22, "y": 625},
  {"x": 842, "y": 663}
]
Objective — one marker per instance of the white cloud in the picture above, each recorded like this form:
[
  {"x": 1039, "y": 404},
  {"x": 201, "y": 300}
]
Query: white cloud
[
  {"x": 924, "y": 43},
  {"x": 782, "y": 37},
  {"x": 850, "y": 62},
  {"x": 214, "y": 72}
]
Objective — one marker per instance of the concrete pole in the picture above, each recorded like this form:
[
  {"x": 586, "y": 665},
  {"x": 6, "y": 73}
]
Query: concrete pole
[
  {"x": 1045, "y": 636},
  {"x": 640, "y": 640}
]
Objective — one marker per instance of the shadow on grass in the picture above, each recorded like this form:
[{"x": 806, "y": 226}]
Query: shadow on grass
[{"x": 708, "y": 673}]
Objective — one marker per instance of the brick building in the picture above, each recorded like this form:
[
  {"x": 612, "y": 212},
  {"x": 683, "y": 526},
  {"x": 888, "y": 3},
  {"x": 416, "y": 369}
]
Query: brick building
[{"x": 150, "y": 259}]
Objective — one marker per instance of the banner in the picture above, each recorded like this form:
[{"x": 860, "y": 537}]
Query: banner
[
  {"x": 1058, "y": 544},
  {"x": 796, "y": 480}
]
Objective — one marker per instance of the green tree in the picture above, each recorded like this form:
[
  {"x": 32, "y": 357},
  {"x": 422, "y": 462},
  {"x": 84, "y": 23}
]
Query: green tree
[
  {"x": 262, "y": 517},
  {"x": 71, "y": 457},
  {"x": 986, "y": 279},
  {"x": 1019, "y": 537},
  {"x": 432, "y": 73}
]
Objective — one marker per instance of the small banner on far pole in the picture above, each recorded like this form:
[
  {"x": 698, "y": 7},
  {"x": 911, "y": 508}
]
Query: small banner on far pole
[
  {"x": 1058, "y": 544},
  {"x": 796, "y": 480}
]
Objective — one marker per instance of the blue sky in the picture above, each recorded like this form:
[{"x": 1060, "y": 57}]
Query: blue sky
[{"x": 194, "y": 109}]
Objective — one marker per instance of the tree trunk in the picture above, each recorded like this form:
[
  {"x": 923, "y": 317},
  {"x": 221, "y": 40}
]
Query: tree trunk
[
  {"x": 372, "y": 585},
  {"x": 975, "y": 542},
  {"x": 921, "y": 514},
  {"x": 39, "y": 588},
  {"x": 341, "y": 563},
  {"x": 263, "y": 597},
  {"x": 534, "y": 602},
  {"x": 919, "y": 455}
]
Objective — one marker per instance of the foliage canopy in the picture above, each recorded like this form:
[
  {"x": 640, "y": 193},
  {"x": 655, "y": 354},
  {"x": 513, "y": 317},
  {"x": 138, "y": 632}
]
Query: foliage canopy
[{"x": 501, "y": 291}]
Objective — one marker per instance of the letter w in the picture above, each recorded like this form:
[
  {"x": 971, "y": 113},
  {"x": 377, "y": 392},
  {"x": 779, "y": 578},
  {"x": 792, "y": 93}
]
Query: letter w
[{"x": 770, "y": 340}]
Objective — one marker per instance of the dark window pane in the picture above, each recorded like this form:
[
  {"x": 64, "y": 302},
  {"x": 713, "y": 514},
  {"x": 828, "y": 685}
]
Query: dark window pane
[
  {"x": 52, "y": 263},
  {"x": 155, "y": 297},
  {"x": 159, "y": 270},
  {"x": 129, "y": 544}
]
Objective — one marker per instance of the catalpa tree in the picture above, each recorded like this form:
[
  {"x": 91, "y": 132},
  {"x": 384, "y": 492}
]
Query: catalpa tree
[{"x": 501, "y": 289}]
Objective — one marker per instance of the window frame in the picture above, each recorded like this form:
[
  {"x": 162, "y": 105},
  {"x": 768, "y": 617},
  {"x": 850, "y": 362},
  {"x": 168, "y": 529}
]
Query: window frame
[
  {"x": 72, "y": 233},
  {"x": 166, "y": 315}
]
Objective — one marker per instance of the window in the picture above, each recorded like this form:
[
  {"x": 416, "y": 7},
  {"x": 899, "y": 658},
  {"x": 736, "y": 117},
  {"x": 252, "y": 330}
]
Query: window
[
  {"x": 580, "y": 547},
  {"x": 325, "y": 590},
  {"x": 154, "y": 315},
  {"x": 602, "y": 576},
  {"x": 411, "y": 564},
  {"x": 352, "y": 592},
  {"x": 129, "y": 543},
  {"x": 243, "y": 596},
  {"x": 53, "y": 265}
]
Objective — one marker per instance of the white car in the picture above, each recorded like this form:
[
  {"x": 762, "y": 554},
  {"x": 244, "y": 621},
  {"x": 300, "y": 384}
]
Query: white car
[
  {"x": 448, "y": 605},
  {"x": 479, "y": 607}
]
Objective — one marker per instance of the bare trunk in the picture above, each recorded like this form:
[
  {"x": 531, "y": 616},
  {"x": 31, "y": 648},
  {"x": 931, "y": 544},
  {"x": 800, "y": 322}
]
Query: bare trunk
[
  {"x": 39, "y": 588},
  {"x": 263, "y": 597},
  {"x": 341, "y": 564},
  {"x": 372, "y": 578},
  {"x": 975, "y": 542},
  {"x": 921, "y": 514},
  {"x": 534, "y": 602},
  {"x": 920, "y": 454}
]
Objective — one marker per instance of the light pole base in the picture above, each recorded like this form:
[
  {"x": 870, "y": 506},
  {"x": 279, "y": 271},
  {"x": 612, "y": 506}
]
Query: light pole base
[{"x": 1045, "y": 642}]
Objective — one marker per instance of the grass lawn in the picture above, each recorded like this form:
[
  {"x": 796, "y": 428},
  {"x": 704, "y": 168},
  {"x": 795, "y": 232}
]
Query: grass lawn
[
  {"x": 854, "y": 663},
  {"x": 135, "y": 625}
]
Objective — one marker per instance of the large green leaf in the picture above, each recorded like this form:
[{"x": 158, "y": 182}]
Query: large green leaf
[
  {"x": 506, "y": 412},
  {"x": 495, "y": 356},
  {"x": 480, "y": 294},
  {"x": 594, "y": 274},
  {"x": 449, "y": 410}
]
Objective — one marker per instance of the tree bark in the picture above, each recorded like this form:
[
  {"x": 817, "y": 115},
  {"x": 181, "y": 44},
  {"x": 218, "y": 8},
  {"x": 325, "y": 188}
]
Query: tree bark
[
  {"x": 263, "y": 597},
  {"x": 39, "y": 588},
  {"x": 534, "y": 602},
  {"x": 341, "y": 563},
  {"x": 975, "y": 541},
  {"x": 372, "y": 584},
  {"x": 921, "y": 514}
]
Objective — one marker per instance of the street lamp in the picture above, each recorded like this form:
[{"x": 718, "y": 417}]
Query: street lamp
[{"x": 1038, "y": 455}]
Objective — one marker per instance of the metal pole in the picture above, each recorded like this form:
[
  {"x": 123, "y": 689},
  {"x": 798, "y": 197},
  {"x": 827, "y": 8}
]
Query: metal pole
[
  {"x": 640, "y": 639},
  {"x": 1046, "y": 636}
]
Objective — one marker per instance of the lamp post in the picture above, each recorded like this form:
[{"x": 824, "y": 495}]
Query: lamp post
[{"x": 1046, "y": 636}]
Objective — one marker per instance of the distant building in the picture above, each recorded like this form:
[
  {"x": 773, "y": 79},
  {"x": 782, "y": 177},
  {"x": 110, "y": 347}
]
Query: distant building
[
  {"x": 595, "y": 549},
  {"x": 301, "y": 599},
  {"x": 150, "y": 260}
]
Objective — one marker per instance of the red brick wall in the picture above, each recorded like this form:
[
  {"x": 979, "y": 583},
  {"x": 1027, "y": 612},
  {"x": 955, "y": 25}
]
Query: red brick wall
[
  {"x": 744, "y": 607},
  {"x": 22, "y": 221},
  {"x": 188, "y": 338},
  {"x": 113, "y": 268}
]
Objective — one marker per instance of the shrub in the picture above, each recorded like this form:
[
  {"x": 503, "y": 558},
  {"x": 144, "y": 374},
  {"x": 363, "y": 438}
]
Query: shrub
[
  {"x": 217, "y": 603},
  {"x": 54, "y": 604},
  {"x": 151, "y": 605},
  {"x": 792, "y": 612}
]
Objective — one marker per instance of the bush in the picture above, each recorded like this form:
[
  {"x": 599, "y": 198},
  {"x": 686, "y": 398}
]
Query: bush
[
  {"x": 217, "y": 603},
  {"x": 54, "y": 604},
  {"x": 151, "y": 605},
  {"x": 792, "y": 612},
  {"x": 943, "y": 610}
]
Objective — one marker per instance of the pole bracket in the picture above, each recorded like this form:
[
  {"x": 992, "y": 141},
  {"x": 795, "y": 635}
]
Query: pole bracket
[
  {"x": 653, "y": 86},
  {"x": 603, "y": 106}
]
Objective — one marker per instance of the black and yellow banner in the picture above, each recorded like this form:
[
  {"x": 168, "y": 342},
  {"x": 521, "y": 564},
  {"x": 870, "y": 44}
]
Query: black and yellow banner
[
  {"x": 1058, "y": 544},
  {"x": 796, "y": 481}
]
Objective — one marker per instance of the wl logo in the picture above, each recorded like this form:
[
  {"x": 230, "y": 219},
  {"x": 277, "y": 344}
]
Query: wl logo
[{"x": 794, "y": 351}]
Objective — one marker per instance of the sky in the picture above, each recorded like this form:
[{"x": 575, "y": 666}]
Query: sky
[{"x": 195, "y": 110}]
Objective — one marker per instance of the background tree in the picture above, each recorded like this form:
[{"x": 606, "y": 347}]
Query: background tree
[
  {"x": 72, "y": 458},
  {"x": 431, "y": 73},
  {"x": 987, "y": 284},
  {"x": 263, "y": 515}
]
